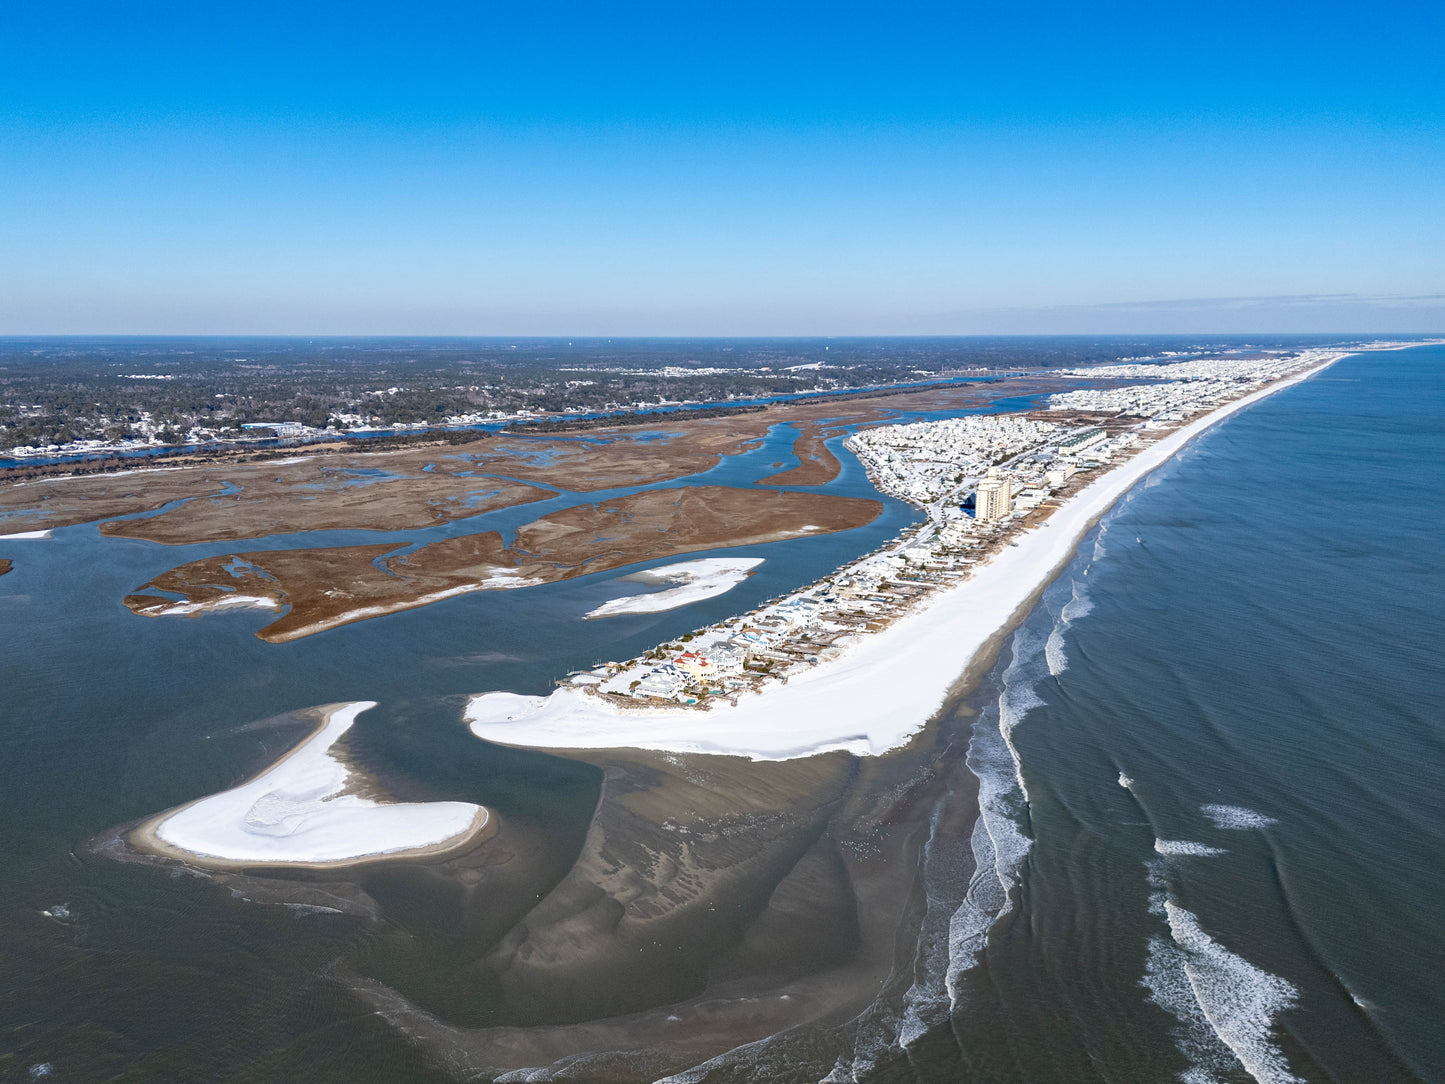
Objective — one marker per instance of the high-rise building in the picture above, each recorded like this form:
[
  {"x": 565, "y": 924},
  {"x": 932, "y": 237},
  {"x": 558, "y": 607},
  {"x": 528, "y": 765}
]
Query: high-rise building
[{"x": 994, "y": 498}]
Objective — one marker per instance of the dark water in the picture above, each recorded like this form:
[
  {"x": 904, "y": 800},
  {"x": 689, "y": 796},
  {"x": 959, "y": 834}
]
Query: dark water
[
  {"x": 1229, "y": 719},
  {"x": 1251, "y": 641},
  {"x": 106, "y": 719}
]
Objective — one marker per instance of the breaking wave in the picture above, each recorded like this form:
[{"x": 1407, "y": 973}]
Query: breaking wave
[
  {"x": 1236, "y": 818},
  {"x": 1000, "y": 841},
  {"x": 1225, "y": 1007},
  {"x": 1078, "y": 605},
  {"x": 1184, "y": 847},
  {"x": 1238, "y": 1000},
  {"x": 947, "y": 879}
]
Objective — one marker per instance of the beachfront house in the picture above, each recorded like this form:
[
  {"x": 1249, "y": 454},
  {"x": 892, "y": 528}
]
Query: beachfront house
[
  {"x": 694, "y": 665},
  {"x": 729, "y": 657},
  {"x": 798, "y": 611},
  {"x": 663, "y": 682}
]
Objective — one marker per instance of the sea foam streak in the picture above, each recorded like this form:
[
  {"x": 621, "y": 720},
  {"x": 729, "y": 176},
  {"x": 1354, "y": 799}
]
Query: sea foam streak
[
  {"x": 1238, "y": 999},
  {"x": 1236, "y": 818},
  {"x": 1079, "y": 605},
  {"x": 1000, "y": 844},
  {"x": 1183, "y": 847},
  {"x": 1226, "y": 1007}
]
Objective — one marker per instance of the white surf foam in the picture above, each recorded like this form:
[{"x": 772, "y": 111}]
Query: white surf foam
[
  {"x": 1225, "y": 1006},
  {"x": 1239, "y": 1000},
  {"x": 1183, "y": 847},
  {"x": 1054, "y": 650},
  {"x": 999, "y": 843},
  {"x": 1236, "y": 818}
]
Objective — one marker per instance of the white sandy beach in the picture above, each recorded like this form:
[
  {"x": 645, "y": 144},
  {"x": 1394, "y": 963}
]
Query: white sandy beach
[
  {"x": 884, "y": 688},
  {"x": 696, "y": 580},
  {"x": 297, "y": 812}
]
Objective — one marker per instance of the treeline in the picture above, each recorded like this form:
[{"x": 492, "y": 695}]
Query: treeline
[
  {"x": 651, "y": 417},
  {"x": 202, "y": 454}
]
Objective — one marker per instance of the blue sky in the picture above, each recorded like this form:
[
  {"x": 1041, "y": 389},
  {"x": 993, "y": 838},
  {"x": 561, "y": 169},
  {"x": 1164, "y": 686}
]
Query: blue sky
[{"x": 729, "y": 169}]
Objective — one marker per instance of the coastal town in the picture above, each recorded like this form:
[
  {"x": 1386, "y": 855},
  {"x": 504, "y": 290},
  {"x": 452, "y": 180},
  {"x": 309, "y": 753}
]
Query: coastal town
[{"x": 980, "y": 480}]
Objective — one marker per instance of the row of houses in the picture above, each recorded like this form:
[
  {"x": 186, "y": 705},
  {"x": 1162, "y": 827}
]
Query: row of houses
[{"x": 720, "y": 663}]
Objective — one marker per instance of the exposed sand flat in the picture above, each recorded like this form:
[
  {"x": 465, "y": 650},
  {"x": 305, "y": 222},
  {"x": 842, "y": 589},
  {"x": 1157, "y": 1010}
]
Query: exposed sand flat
[
  {"x": 298, "y": 813},
  {"x": 5, "y": 566},
  {"x": 696, "y": 580},
  {"x": 878, "y": 692}
]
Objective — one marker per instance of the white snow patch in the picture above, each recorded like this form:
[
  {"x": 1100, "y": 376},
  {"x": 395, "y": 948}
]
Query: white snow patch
[
  {"x": 24, "y": 536},
  {"x": 297, "y": 811},
  {"x": 696, "y": 580},
  {"x": 225, "y": 602}
]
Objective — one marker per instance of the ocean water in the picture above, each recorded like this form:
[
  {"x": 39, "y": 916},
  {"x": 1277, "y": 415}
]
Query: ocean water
[
  {"x": 1211, "y": 770},
  {"x": 1228, "y": 720}
]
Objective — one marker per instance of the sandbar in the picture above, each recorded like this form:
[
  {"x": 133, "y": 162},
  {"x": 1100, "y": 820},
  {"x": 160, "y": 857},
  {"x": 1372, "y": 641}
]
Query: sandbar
[
  {"x": 300, "y": 813},
  {"x": 696, "y": 580}
]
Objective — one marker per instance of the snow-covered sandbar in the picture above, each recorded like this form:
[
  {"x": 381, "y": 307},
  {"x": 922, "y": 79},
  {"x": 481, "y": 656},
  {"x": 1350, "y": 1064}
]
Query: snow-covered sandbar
[
  {"x": 696, "y": 580},
  {"x": 24, "y": 536},
  {"x": 298, "y": 813},
  {"x": 883, "y": 688}
]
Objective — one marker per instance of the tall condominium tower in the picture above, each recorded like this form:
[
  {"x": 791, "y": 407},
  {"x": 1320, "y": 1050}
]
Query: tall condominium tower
[{"x": 994, "y": 499}]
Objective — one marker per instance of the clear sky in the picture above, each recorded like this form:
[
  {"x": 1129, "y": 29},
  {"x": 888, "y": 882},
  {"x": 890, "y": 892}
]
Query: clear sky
[{"x": 741, "y": 168}]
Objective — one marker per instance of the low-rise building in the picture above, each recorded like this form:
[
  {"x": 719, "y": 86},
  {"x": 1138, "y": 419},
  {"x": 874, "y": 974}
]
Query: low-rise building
[{"x": 664, "y": 682}]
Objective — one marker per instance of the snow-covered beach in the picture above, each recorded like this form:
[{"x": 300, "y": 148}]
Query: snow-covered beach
[
  {"x": 298, "y": 813},
  {"x": 695, "y": 580},
  {"x": 883, "y": 688}
]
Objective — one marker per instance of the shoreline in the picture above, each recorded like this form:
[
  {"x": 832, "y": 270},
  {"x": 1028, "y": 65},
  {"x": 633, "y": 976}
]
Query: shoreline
[
  {"x": 882, "y": 691},
  {"x": 334, "y": 720}
]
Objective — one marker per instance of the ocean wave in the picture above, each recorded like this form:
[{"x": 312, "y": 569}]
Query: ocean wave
[
  {"x": 947, "y": 874},
  {"x": 1225, "y": 1006},
  {"x": 1019, "y": 696},
  {"x": 1079, "y": 604},
  {"x": 1167, "y": 981},
  {"x": 1171, "y": 848},
  {"x": 1239, "y": 1000},
  {"x": 1236, "y": 818},
  {"x": 1000, "y": 843},
  {"x": 1054, "y": 651}
]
